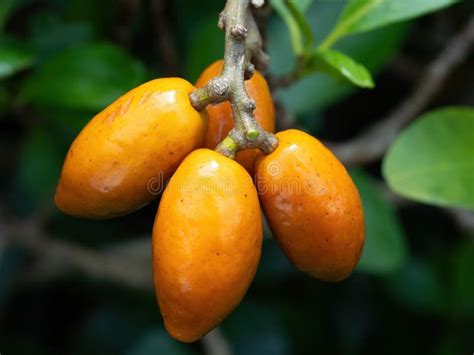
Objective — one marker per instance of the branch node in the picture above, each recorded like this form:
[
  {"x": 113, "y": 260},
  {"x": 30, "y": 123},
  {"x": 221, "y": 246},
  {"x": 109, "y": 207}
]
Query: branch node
[
  {"x": 242, "y": 45},
  {"x": 239, "y": 32}
]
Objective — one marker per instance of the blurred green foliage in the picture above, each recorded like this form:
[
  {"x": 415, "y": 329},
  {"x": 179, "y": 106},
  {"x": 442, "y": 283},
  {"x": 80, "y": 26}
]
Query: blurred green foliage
[
  {"x": 385, "y": 249},
  {"x": 413, "y": 292},
  {"x": 86, "y": 77}
]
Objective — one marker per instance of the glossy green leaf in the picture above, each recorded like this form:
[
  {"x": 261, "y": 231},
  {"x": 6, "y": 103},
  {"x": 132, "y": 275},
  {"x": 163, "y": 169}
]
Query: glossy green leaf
[
  {"x": 317, "y": 91},
  {"x": 39, "y": 165},
  {"x": 385, "y": 248},
  {"x": 354, "y": 11},
  {"x": 364, "y": 15},
  {"x": 432, "y": 160},
  {"x": 341, "y": 67},
  {"x": 87, "y": 77},
  {"x": 14, "y": 56},
  {"x": 292, "y": 12},
  {"x": 391, "y": 11},
  {"x": 157, "y": 341}
]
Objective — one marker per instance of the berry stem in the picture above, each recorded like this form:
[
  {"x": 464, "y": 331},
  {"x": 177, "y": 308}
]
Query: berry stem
[{"x": 243, "y": 46}]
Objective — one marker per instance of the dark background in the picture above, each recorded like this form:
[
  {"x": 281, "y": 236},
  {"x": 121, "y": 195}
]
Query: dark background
[{"x": 70, "y": 286}]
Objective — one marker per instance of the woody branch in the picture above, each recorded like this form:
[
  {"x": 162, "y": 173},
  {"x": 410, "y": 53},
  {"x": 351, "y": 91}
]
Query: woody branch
[{"x": 243, "y": 52}]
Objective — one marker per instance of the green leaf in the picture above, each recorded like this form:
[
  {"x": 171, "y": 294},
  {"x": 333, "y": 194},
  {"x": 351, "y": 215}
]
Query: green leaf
[
  {"x": 364, "y": 15},
  {"x": 391, "y": 11},
  {"x": 315, "y": 92},
  {"x": 86, "y": 77},
  {"x": 14, "y": 56},
  {"x": 432, "y": 160},
  {"x": 157, "y": 341},
  {"x": 354, "y": 11},
  {"x": 292, "y": 12},
  {"x": 341, "y": 67},
  {"x": 385, "y": 248},
  {"x": 39, "y": 165}
]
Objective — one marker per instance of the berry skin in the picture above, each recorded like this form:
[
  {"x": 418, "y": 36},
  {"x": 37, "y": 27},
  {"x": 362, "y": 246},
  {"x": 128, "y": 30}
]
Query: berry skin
[
  {"x": 221, "y": 118},
  {"x": 207, "y": 241},
  {"x": 312, "y": 206},
  {"x": 121, "y": 159}
]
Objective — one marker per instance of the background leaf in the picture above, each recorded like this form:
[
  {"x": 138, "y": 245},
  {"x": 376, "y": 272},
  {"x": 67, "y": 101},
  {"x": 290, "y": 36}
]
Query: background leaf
[
  {"x": 391, "y": 11},
  {"x": 14, "y": 56},
  {"x": 39, "y": 165},
  {"x": 385, "y": 248},
  {"x": 87, "y": 77},
  {"x": 50, "y": 34},
  {"x": 432, "y": 160},
  {"x": 364, "y": 15},
  {"x": 341, "y": 67},
  {"x": 316, "y": 92}
]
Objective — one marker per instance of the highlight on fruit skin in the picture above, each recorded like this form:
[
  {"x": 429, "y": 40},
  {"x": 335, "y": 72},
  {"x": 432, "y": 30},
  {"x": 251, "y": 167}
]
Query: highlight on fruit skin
[
  {"x": 122, "y": 158},
  {"x": 312, "y": 206},
  {"x": 221, "y": 118},
  {"x": 207, "y": 241}
]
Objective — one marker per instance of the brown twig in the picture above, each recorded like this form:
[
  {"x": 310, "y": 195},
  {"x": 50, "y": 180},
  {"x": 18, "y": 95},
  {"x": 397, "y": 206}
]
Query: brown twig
[
  {"x": 96, "y": 264},
  {"x": 371, "y": 145},
  {"x": 242, "y": 48}
]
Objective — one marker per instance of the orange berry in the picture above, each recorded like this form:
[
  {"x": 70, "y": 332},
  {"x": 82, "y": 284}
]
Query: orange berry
[
  {"x": 121, "y": 159},
  {"x": 312, "y": 206},
  {"x": 207, "y": 242},
  {"x": 221, "y": 118}
]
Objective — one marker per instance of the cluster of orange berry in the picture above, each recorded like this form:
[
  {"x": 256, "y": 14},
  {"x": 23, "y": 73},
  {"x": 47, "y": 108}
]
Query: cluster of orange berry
[{"x": 207, "y": 236}]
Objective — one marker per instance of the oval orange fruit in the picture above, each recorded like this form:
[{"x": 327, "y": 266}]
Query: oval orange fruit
[
  {"x": 312, "y": 206},
  {"x": 121, "y": 159},
  {"x": 207, "y": 240}
]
